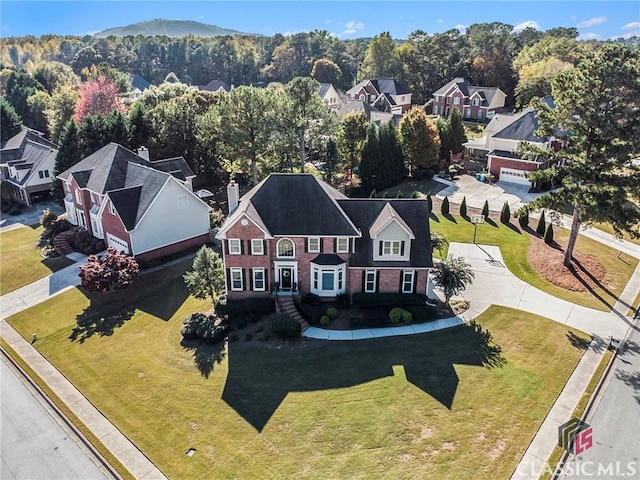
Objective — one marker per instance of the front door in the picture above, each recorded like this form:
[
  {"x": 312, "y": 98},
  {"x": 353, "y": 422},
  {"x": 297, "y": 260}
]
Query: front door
[{"x": 286, "y": 278}]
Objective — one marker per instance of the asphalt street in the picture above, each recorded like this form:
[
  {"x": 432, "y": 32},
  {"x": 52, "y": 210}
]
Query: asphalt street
[
  {"x": 616, "y": 422},
  {"x": 34, "y": 445}
]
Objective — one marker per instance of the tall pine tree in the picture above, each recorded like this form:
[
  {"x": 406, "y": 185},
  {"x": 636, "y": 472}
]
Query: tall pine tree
[
  {"x": 370, "y": 162},
  {"x": 68, "y": 155},
  {"x": 10, "y": 123},
  {"x": 391, "y": 168}
]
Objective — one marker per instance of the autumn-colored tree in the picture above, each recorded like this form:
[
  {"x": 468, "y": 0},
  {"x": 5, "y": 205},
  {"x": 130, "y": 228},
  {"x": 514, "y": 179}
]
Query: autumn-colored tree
[
  {"x": 381, "y": 59},
  {"x": 110, "y": 272},
  {"x": 326, "y": 71},
  {"x": 420, "y": 140},
  {"x": 97, "y": 97},
  {"x": 350, "y": 139}
]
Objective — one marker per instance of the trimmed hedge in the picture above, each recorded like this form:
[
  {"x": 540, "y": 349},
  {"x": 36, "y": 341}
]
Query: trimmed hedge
[
  {"x": 388, "y": 299},
  {"x": 423, "y": 313},
  {"x": 285, "y": 326},
  {"x": 200, "y": 326},
  {"x": 255, "y": 306},
  {"x": 396, "y": 315}
]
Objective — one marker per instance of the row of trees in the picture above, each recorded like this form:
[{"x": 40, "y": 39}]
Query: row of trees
[{"x": 521, "y": 63}]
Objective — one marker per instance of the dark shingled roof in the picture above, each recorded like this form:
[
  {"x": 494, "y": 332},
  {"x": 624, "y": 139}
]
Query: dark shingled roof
[
  {"x": 323, "y": 89},
  {"x": 382, "y": 85},
  {"x": 298, "y": 204},
  {"x": 523, "y": 128},
  {"x": 136, "y": 81},
  {"x": 328, "y": 259},
  {"x": 363, "y": 213},
  {"x": 176, "y": 166},
  {"x": 215, "y": 85},
  {"x": 126, "y": 202},
  {"x": 13, "y": 149}
]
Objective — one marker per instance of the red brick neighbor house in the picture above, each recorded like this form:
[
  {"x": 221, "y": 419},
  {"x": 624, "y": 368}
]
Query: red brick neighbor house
[
  {"x": 293, "y": 233},
  {"x": 384, "y": 94},
  {"x": 143, "y": 208},
  {"x": 26, "y": 164},
  {"x": 473, "y": 102}
]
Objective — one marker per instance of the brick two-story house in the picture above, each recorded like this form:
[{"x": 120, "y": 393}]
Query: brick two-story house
[
  {"x": 143, "y": 208},
  {"x": 294, "y": 233},
  {"x": 384, "y": 94},
  {"x": 473, "y": 102}
]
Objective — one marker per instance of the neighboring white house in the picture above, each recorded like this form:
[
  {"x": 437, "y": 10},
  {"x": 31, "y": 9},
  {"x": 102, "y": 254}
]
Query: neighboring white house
[{"x": 330, "y": 96}]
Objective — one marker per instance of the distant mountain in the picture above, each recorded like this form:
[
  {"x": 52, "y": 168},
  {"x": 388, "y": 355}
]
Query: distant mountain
[{"x": 169, "y": 28}]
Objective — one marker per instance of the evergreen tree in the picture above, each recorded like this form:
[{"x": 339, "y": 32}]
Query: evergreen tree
[
  {"x": 542, "y": 224},
  {"x": 463, "y": 207},
  {"x": 445, "y": 206},
  {"x": 351, "y": 136},
  {"x": 116, "y": 129},
  {"x": 420, "y": 140},
  {"x": 206, "y": 280},
  {"x": 391, "y": 167},
  {"x": 20, "y": 86},
  {"x": 138, "y": 127},
  {"x": 10, "y": 123},
  {"x": 370, "y": 162},
  {"x": 91, "y": 135},
  {"x": 548, "y": 234},
  {"x": 505, "y": 214},
  {"x": 485, "y": 209},
  {"x": 523, "y": 220},
  {"x": 455, "y": 131},
  {"x": 68, "y": 155},
  {"x": 330, "y": 160}
]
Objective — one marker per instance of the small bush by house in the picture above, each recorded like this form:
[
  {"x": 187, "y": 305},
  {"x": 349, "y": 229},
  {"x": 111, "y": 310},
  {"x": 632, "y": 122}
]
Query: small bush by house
[
  {"x": 203, "y": 327},
  {"x": 388, "y": 299},
  {"x": 285, "y": 326}
]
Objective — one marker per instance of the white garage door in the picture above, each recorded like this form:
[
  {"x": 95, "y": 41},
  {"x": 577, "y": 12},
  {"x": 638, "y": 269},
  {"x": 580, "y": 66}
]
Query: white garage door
[
  {"x": 514, "y": 176},
  {"x": 117, "y": 243}
]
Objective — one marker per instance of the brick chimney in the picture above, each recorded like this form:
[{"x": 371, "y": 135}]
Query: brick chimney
[
  {"x": 233, "y": 195},
  {"x": 144, "y": 153}
]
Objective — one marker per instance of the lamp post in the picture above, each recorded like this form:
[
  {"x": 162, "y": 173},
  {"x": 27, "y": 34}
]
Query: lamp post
[{"x": 476, "y": 220}]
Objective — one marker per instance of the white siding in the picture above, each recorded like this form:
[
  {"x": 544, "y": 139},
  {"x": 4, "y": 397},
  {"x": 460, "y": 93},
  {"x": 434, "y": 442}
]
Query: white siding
[
  {"x": 392, "y": 232},
  {"x": 165, "y": 223}
]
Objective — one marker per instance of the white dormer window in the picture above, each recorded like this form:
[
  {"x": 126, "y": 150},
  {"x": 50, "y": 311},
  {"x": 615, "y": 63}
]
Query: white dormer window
[
  {"x": 182, "y": 201},
  {"x": 342, "y": 245},
  {"x": 78, "y": 197},
  {"x": 313, "y": 244},
  {"x": 257, "y": 247},
  {"x": 392, "y": 247},
  {"x": 456, "y": 100},
  {"x": 234, "y": 246}
]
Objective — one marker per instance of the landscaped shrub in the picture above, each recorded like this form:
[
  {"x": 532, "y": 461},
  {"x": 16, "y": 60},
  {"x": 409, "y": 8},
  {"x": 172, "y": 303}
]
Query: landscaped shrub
[
  {"x": 332, "y": 313},
  {"x": 397, "y": 315},
  {"x": 325, "y": 320},
  {"x": 463, "y": 207},
  {"x": 548, "y": 235},
  {"x": 505, "y": 214},
  {"x": 216, "y": 218},
  {"x": 285, "y": 326},
  {"x": 250, "y": 306},
  {"x": 485, "y": 209},
  {"x": 85, "y": 243},
  {"x": 203, "y": 327},
  {"x": 388, "y": 299},
  {"x": 542, "y": 224},
  {"x": 523, "y": 220},
  {"x": 262, "y": 336},
  {"x": 445, "y": 206},
  {"x": 343, "y": 300},
  {"x": 48, "y": 219},
  {"x": 312, "y": 299},
  {"x": 423, "y": 313}
]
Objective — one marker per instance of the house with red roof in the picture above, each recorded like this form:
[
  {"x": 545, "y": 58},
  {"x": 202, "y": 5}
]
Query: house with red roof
[{"x": 141, "y": 207}]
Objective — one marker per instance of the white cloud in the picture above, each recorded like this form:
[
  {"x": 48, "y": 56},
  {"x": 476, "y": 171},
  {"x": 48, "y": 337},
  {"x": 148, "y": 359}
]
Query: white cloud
[
  {"x": 527, "y": 24},
  {"x": 589, "y": 36},
  {"x": 461, "y": 27},
  {"x": 574, "y": 17},
  {"x": 632, "y": 25},
  {"x": 592, "y": 22},
  {"x": 352, "y": 27},
  {"x": 440, "y": 20}
]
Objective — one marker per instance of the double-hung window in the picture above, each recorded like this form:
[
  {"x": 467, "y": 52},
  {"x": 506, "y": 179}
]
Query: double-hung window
[
  {"x": 407, "y": 281},
  {"x": 342, "y": 245},
  {"x": 391, "y": 247},
  {"x": 258, "y": 280},
  {"x": 236, "y": 279},
  {"x": 370, "y": 281},
  {"x": 234, "y": 246},
  {"x": 257, "y": 247},
  {"x": 313, "y": 244}
]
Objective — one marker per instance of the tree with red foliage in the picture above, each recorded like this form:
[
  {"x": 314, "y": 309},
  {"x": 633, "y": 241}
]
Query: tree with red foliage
[
  {"x": 97, "y": 97},
  {"x": 110, "y": 272}
]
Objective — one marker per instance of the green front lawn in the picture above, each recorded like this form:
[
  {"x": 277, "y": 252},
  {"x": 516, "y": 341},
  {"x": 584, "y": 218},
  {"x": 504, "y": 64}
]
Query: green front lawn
[
  {"x": 605, "y": 227},
  {"x": 458, "y": 403},
  {"x": 20, "y": 259},
  {"x": 408, "y": 186},
  {"x": 514, "y": 244}
]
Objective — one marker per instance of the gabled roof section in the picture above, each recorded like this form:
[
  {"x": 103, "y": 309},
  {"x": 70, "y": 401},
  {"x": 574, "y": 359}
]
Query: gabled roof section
[
  {"x": 323, "y": 89},
  {"x": 299, "y": 204},
  {"x": 460, "y": 82},
  {"x": 390, "y": 86},
  {"x": 414, "y": 213},
  {"x": 108, "y": 168},
  {"x": 356, "y": 106},
  {"x": 13, "y": 149},
  {"x": 136, "y": 81},
  {"x": 524, "y": 127},
  {"x": 176, "y": 167},
  {"x": 215, "y": 85},
  {"x": 387, "y": 216},
  {"x": 361, "y": 85},
  {"x": 126, "y": 201}
]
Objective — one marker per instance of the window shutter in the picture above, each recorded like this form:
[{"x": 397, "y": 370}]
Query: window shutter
[
  {"x": 244, "y": 278},
  {"x": 228, "y": 270},
  {"x": 402, "y": 248},
  {"x": 306, "y": 245},
  {"x": 251, "y": 279},
  {"x": 266, "y": 279},
  {"x": 225, "y": 247},
  {"x": 364, "y": 279},
  {"x": 380, "y": 248},
  {"x": 401, "y": 281},
  {"x": 377, "y": 274},
  {"x": 415, "y": 281},
  {"x": 321, "y": 244},
  {"x": 335, "y": 245},
  {"x": 264, "y": 247}
]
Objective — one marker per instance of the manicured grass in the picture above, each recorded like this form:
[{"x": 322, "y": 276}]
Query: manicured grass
[
  {"x": 400, "y": 407},
  {"x": 20, "y": 259},
  {"x": 605, "y": 227},
  {"x": 579, "y": 410},
  {"x": 513, "y": 245}
]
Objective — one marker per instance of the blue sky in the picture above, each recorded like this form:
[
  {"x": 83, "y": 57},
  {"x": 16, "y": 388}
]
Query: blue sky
[{"x": 594, "y": 20}]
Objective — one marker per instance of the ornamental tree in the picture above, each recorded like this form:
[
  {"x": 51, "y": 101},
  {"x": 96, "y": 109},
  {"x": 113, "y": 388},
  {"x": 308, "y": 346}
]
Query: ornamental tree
[
  {"x": 110, "y": 272},
  {"x": 206, "y": 280},
  {"x": 97, "y": 97},
  {"x": 452, "y": 275},
  {"x": 420, "y": 140}
]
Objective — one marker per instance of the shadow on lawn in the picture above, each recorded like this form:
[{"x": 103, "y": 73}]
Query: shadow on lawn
[
  {"x": 205, "y": 355},
  {"x": 260, "y": 378}
]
